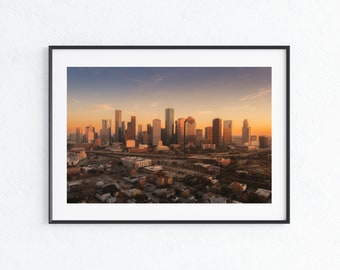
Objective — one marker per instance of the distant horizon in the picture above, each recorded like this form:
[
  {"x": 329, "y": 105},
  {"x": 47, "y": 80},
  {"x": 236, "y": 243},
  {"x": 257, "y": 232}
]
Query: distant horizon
[
  {"x": 205, "y": 93},
  {"x": 235, "y": 134}
]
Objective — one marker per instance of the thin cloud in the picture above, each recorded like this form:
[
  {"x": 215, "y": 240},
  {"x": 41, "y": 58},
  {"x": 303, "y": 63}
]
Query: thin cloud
[
  {"x": 159, "y": 78},
  {"x": 103, "y": 107},
  {"x": 154, "y": 79},
  {"x": 262, "y": 92}
]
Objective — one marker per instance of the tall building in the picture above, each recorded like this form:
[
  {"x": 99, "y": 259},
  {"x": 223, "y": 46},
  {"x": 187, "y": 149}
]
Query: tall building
[
  {"x": 246, "y": 130},
  {"x": 133, "y": 121},
  {"x": 190, "y": 132},
  {"x": 208, "y": 134},
  {"x": 109, "y": 127},
  {"x": 227, "y": 132},
  {"x": 156, "y": 131},
  {"x": 131, "y": 129},
  {"x": 140, "y": 134},
  {"x": 89, "y": 134},
  {"x": 123, "y": 131},
  {"x": 199, "y": 137},
  {"x": 106, "y": 123},
  {"x": 264, "y": 141},
  {"x": 169, "y": 125},
  {"x": 145, "y": 137},
  {"x": 79, "y": 135},
  {"x": 180, "y": 131},
  {"x": 163, "y": 136},
  {"x": 118, "y": 126},
  {"x": 105, "y": 132},
  {"x": 149, "y": 130},
  {"x": 90, "y": 137},
  {"x": 217, "y": 132}
]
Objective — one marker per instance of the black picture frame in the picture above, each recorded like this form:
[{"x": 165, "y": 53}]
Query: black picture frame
[{"x": 54, "y": 57}]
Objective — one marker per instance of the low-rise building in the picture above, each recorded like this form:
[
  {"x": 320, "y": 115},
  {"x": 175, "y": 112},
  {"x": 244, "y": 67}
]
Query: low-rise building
[
  {"x": 243, "y": 172},
  {"x": 224, "y": 161},
  {"x": 73, "y": 170},
  {"x": 153, "y": 169},
  {"x": 265, "y": 193},
  {"x": 72, "y": 161},
  {"x": 143, "y": 146},
  {"x": 208, "y": 146},
  {"x": 137, "y": 179},
  {"x": 238, "y": 187},
  {"x": 130, "y": 144},
  {"x": 116, "y": 147},
  {"x": 106, "y": 198},
  {"x": 80, "y": 152},
  {"x": 164, "y": 180},
  {"x": 75, "y": 155},
  {"x": 136, "y": 162},
  {"x": 207, "y": 167},
  {"x": 137, "y": 150},
  {"x": 162, "y": 148},
  {"x": 253, "y": 147},
  {"x": 175, "y": 146},
  {"x": 132, "y": 192}
]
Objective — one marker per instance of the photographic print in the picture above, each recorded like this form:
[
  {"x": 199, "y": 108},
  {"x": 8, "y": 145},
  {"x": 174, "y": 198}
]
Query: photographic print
[{"x": 169, "y": 134}]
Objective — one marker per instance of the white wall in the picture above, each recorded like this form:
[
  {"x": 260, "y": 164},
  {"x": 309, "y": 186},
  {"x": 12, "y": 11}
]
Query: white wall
[{"x": 311, "y": 241}]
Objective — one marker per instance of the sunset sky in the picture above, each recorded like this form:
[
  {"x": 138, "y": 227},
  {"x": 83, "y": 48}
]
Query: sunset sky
[{"x": 205, "y": 93}]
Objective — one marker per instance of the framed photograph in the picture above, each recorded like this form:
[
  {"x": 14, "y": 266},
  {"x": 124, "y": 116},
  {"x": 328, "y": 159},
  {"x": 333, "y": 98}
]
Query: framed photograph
[{"x": 169, "y": 134}]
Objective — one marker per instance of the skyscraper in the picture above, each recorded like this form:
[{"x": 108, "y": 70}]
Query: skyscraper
[
  {"x": 106, "y": 123},
  {"x": 89, "y": 134},
  {"x": 180, "y": 130},
  {"x": 246, "y": 132},
  {"x": 79, "y": 135},
  {"x": 208, "y": 134},
  {"x": 105, "y": 132},
  {"x": 156, "y": 131},
  {"x": 131, "y": 129},
  {"x": 217, "y": 132},
  {"x": 123, "y": 131},
  {"x": 140, "y": 133},
  {"x": 199, "y": 137},
  {"x": 163, "y": 136},
  {"x": 145, "y": 137},
  {"x": 190, "y": 132},
  {"x": 133, "y": 121},
  {"x": 118, "y": 126},
  {"x": 149, "y": 130},
  {"x": 227, "y": 132},
  {"x": 169, "y": 125}
]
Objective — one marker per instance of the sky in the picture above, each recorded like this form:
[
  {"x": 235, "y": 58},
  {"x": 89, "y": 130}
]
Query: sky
[{"x": 205, "y": 93}]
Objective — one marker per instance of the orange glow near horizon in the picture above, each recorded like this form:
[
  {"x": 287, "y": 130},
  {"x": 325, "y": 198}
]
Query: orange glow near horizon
[
  {"x": 228, "y": 93},
  {"x": 257, "y": 127}
]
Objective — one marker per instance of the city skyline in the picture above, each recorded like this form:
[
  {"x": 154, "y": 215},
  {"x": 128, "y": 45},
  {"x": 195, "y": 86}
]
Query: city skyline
[
  {"x": 223, "y": 132},
  {"x": 205, "y": 93}
]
